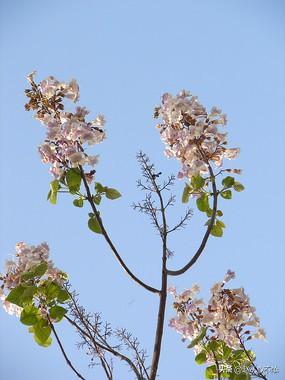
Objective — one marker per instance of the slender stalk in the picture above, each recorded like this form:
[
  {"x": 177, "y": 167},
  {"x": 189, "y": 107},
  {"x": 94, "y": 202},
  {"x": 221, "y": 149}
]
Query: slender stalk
[
  {"x": 163, "y": 294},
  {"x": 258, "y": 373},
  {"x": 63, "y": 351},
  {"x": 109, "y": 241},
  {"x": 199, "y": 251}
]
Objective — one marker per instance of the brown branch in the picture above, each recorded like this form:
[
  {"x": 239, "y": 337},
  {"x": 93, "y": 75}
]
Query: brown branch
[
  {"x": 258, "y": 373},
  {"x": 106, "y": 347},
  {"x": 109, "y": 241},
  {"x": 163, "y": 292},
  {"x": 62, "y": 349},
  {"x": 193, "y": 260}
]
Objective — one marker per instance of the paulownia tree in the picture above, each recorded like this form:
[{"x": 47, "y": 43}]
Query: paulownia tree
[{"x": 40, "y": 294}]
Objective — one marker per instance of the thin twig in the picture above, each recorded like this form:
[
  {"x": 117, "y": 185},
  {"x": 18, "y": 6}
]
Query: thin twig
[
  {"x": 62, "y": 349},
  {"x": 258, "y": 373}
]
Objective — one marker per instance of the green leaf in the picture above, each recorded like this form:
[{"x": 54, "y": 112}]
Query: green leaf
[
  {"x": 209, "y": 212},
  {"x": 97, "y": 199},
  {"x": 52, "y": 195},
  {"x": 186, "y": 194},
  {"x": 52, "y": 291},
  {"x": 228, "y": 181},
  {"x": 63, "y": 296},
  {"x": 220, "y": 223},
  {"x": 201, "y": 358},
  {"x": 36, "y": 271},
  {"x": 226, "y": 194},
  {"x": 198, "y": 338},
  {"x": 211, "y": 372},
  {"x": 78, "y": 202},
  {"x": 99, "y": 188},
  {"x": 112, "y": 193},
  {"x": 217, "y": 231},
  {"x": 93, "y": 225},
  {"x": 57, "y": 313},
  {"x": 28, "y": 294},
  {"x": 238, "y": 186},
  {"x": 241, "y": 376},
  {"x": 15, "y": 296},
  {"x": 29, "y": 315},
  {"x": 197, "y": 181},
  {"x": 46, "y": 343},
  {"x": 219, "y": 213},
  {"x": 203, "y": 203},
  {"x": 42, "y": 331},
  {"x": 73, "y": 180}
]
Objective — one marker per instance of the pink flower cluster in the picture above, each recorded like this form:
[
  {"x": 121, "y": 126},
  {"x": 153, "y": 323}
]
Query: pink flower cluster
[
  {"x": 228, "y": 316},
  {"x": 193, "y": 135},
  {"x": 26, "y": 258},
  {"x": 66, "y": 132}
]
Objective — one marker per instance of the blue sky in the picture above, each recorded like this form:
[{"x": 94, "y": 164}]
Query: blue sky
[{"x": 125, "y": 55}]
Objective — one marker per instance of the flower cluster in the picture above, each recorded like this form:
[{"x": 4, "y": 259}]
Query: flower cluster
[
  {"x": 228, "y": 316},
  {"x": 31, "y": 265},
  {"x": 66, "y": 132},
  {"x": 193, "y": 135}
]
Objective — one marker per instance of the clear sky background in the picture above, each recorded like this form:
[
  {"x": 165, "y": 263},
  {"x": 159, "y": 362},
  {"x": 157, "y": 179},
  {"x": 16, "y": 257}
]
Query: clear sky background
[{"x": 125, "y": 54}]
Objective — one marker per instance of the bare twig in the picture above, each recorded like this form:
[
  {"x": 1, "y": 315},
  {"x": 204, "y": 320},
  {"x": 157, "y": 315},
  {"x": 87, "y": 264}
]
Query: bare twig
[
  {"x": 62, "y": 350},
  {"x": 91, "y": 334}
]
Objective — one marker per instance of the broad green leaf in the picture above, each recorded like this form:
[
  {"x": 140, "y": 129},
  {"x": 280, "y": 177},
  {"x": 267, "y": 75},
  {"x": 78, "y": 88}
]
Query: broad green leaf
[
  {"x": 28, "y": 294},
  {"x": 73, "y": 180},
  {"x": 57, "y": 312},
  {"x": 203, "y": 203},
  {"x": 217, "y": 231},
  {"x": 201, "y": 358},
  {"x": 197, "y": 181},
  {"x": 228, "y": 181},
  {"x": 198, "y": 338},
  {"x": 42, "y": 331},
  {"x": 94, "y": 226},
  {"x": 36, "y": 271},
  {"x": 78, "y": 202},
  {"x": 52, "y": 291},
  {"x": 211, "y": 372},
  {"x": 238, "y": 186},
  {"x": 226, "y": 194},
  {"x": 29, "y": 315},
  {"x": 63, "y": 296},
  {"x": 46, "y": 343},
  {"x": 15, "y": 295},
  {"x": 186, "y": 194},
  {"x": 112, "y": 193}
]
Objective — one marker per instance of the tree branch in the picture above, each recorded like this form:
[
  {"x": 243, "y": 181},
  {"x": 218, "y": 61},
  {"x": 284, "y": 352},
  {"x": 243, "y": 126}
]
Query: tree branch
[
  {"x": 178, "y": 272},
  {"x": 258, "y": 373},
  {"x": 109, "y": 241},
  {"x": 163, "y": 291},
  {"x": 62, "y": 349}
]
